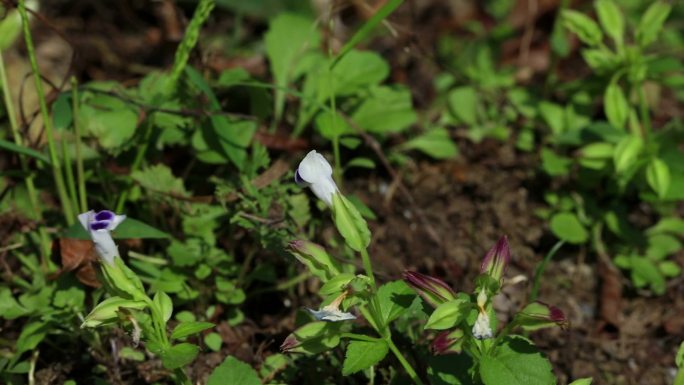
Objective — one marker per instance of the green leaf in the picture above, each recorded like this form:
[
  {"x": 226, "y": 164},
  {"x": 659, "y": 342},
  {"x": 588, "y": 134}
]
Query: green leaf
[
  {"x": 158, "y": 178},
  {"x": 386, "y": 110},
  {"x": 128, "y": 229},
  {"x": 450, "y": 369},
  {"x": 9, "y": 146},
  {"x": 554, "y": 164},
  {"x": 355, "y": 72},
  {"x": 10, "y": 28},
  {"x": 362, "y": 355},
  {"x": 616, "y": 106},
  {"x": 289, "y": 36},
  {"x": 658, "y": 176},
  {"x": 585, "y": 28},
  {"x": 464, "y": 103},
  {"x": 448, "y": 314},
  {"x": 611, "y": 20},
  {"x": 662, "y": 245},
  {"x": 233, "y": 371},
  {"x": 109, "y": 119},
  {"x": 554, "y": 116},
  {"x": 652, "y": 22},
  {"x": 394, "y": 298},
  {"x": 313, "y": 338},
  {"x": 516, "y": 362},
  {"x": 213, "y": 341},
  {"x": 31, "y": 335},
  {"x": 164, "y": 304},
  {"x": 645, "y": 270},
  {"x": 179, "y": 355},
  {"x": 627, "y": 152},
  {"x": 350, "y": 223},
  {"x": 669, "y": 268},
  {"x": 436, "y": 143},
  {"x": 185, "y": 329},
  {"x": 360, "y": 163},
  {"x": 332, "y": 126},
  {"x": 601, "y": 60},
  {"x": 671, "y": 225},
  {"x": 567, "y": 227}
]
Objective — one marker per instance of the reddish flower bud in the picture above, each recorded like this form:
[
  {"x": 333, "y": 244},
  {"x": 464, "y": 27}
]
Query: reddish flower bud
[
  {"x": 497, "y": 258},
  {"x": 538, "y": 315},
  {"x": 433, "y": 291},
  {"x": 447, "y": 342}
]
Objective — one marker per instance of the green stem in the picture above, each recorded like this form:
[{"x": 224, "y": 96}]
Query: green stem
[
  {"x": 407, "y": 366},
  {"x": 540, "y": 270},
  {"x": 28, "y": 178},
  {"x": 139, "y": 156},
  {"x": 80, "y": 174},
  {"x": 56, "y": 170},
  {"x": 368, "y": 267},
  {"x": 643, "y": 110},
  {"x": 71, "y": 183}
]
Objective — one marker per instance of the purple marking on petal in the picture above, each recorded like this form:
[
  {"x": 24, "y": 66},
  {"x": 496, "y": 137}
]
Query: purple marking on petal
[
  {"x": 99, "y": 225},
  {"x": 104, "y": 215},
  {"x": 298, "y": 179}
]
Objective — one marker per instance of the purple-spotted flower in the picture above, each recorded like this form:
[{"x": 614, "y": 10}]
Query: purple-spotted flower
[
  {"x": 433, "y": 291},
  {"x": 332, "y": 312},
  {"x": 497, "y": 258},
  {"x": 99, "y": 225},
  {"x": 316, "y": 173}
]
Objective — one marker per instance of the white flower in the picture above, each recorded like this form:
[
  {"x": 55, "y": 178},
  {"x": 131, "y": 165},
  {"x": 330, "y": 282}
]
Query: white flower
[
  {"x": 332, "y": 312},
  {"x": 481, "y": 329},
  {"x": 315, "y": 172},
  {"x": 99, "y": 225}
]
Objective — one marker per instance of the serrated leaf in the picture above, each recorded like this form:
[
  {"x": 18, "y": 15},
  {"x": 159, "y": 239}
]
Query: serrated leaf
[
  {"x": 179, "y": 355},
  {"x": 658, "y": 176},
  {"x": 362, "y": 355},
  {"x": 350, "y": 223},
  {"x": 616, "y": 106},
  {"x": 566, "y": 226},
  {"x": 233, "y": 371},
  {"x": 394, "y": 298},
  {"x": 652, "y": 22},
  {"x": 516, "y": 362},
  {"x": 585, "y": 28},
  {"x": 185, "y": 329}
]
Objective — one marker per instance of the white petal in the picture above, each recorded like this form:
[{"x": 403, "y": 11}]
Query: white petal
[
  {"x": 314, "y": 167},
  {"x": 86, "y": 218},
  {"x": 481, "y": 329},
  {"x": 324, "y": 190},
  {"x": 104, "y": 245},
  {"x": 331, "y": 315},
  {"x": 116, "y": 221}
]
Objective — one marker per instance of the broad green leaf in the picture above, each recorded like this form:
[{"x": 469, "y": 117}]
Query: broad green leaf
[
  {"x": 233, "y": 371},
  {"x": 644, "y": 269},
  {"x": 386, "y": 110},
  {"x": 567, "y": 227},
  {"x": 598, "y": 150},
  {"x": 601, "y": 60},
  {"x": 448, "y": 314},
  {"x": 671, "y": 225},
  {"x": 611, "y": 20},
  {"x": 658, "y": 176},
  {"x": 652, "y": 22},
  {"x": 185, "y": 329},
  {"x": 627, "y": 152},
  {"x": 128, "y": 229},
  {"x": 108, "y": 119},
  {"x": 435, "y": 143},
  {"x": 669, "y": 268},
  {"x": 159, "y": 179},
  {"x": 362, "y": 355},
  {"x": 554, "y": 116},
  {"x": 394, "y": 298},
  {"x": 516, "y": 362},
  {"x": 179, "y": 355},
  {"x": 615, "y": 106},
  {"x": 31, "y": 335},
  {"x": 585, "y": 28},
  {"x": 164, "y": 304},
  {"x": 213, "y": 341},
  {"x": 464, "y": 103},
  {"x": 350, "y": 223},
  {"x": 335, "y": 284},
  {"x": 662, "y": 245},
  {"x": 554, "y": 164},
  {"x": 355, "y": 72},
  {"x": 289, "y": 36},
  {"x": 10, "y": 25},
  {"x": 360, "y": 163},
  {"x": 332, "y": 126}
]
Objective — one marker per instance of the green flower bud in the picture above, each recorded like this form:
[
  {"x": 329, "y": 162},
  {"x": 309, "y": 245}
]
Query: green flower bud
[{"x": 107, "y": 311}]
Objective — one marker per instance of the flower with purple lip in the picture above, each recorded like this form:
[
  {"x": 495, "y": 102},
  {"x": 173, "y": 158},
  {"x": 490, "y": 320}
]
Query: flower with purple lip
[
  {"x": 99, "y": 225},
  {"x": 315, "y": 172},
  {"x": 497, "y": 258}
]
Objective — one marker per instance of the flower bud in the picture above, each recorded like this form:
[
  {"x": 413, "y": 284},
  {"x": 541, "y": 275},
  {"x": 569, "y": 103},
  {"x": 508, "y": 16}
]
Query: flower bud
[
  {"x": 538, "y": 315},
  {"x": 433, "y": 291},
  {"x": 315, "y": 258},
  {"x": 122, "y": 281},
  {"x": 315, "y": 172},
  {"x": 447, "y": 342},
  {"x": 496, "y": 260},
  {"x": 312, "y": 338},
  {"x": 107, "y": 311}
]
